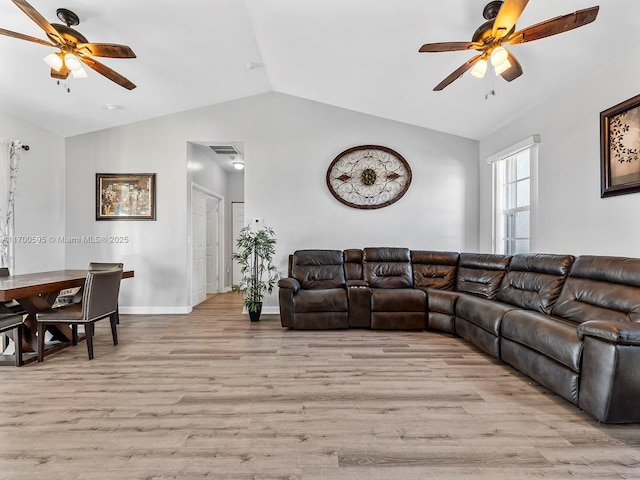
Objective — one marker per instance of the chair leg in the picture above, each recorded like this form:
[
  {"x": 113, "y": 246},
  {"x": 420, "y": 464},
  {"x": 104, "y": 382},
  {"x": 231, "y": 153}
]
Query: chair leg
[
  {"x": 74, "y": 334},
  {"x": 88, "y": 332},
  {"x": 40, "y": 341},
  {"x": 18, "y": 345},
  {"x": 118, "y": 314},
  {"x": 114, "y": 332}
]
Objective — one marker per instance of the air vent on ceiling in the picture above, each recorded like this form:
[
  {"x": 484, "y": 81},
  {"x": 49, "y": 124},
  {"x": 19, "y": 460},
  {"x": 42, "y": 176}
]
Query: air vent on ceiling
[{"x": 224, "y": 149}]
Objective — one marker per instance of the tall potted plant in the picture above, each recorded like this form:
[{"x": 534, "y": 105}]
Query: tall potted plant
[{"x": 255, "y": 250}]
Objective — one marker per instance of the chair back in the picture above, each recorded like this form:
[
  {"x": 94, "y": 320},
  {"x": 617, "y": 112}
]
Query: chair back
[
  {"x": 94, "y": 266},
  {"x": 101, "y": 289},
  {"x": 318, "y": 269}
]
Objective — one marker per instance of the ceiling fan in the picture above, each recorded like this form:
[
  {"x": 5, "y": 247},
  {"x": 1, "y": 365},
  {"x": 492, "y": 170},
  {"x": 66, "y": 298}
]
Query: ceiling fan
[
  {"x": 499, "y": 30},
  {"x": 75, "y": 49}
]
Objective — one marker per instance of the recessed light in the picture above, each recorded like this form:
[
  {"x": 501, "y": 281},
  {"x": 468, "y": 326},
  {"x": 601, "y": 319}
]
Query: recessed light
[{"x": 112, "y": 108}]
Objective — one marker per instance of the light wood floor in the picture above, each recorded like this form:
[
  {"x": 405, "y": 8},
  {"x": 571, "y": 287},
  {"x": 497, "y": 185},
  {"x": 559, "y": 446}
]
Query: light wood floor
[{"x": 209, "y": 395}]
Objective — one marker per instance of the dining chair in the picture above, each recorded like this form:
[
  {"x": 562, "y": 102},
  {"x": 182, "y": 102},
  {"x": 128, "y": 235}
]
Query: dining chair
[
  {"x": 13, "y": 322},
  {"x": 99, "y": 300},
  {"x": 8, "y": 309},
  {"x": 11, "y": 307},
  {"x": 77, "y": 296},
  {"x": 97, "y": 266}
]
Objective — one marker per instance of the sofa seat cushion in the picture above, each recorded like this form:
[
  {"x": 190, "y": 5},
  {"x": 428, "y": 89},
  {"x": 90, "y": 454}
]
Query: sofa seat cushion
[
  {"x": 398, "y": 300},
  {"x": 323, "y": 300},
  {"x": 442, "y": 301},
  {"x": 554, "y": 337},
  {"x": 486, "y": 314}
]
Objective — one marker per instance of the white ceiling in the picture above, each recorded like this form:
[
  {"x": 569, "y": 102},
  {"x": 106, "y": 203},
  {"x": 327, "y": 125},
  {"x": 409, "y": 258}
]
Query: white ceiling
[{"x": 357, "y": 54}]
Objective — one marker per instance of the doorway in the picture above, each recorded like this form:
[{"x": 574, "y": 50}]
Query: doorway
[
  {"x": 207, "y": 229},
  {"x": 237, "y": 218}
]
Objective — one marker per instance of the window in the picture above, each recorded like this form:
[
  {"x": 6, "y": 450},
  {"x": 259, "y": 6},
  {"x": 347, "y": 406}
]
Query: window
[{"x": 513, "y": 196}]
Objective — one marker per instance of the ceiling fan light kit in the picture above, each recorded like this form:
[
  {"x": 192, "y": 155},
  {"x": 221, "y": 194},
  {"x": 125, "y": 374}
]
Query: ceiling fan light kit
[
  {"x": 480, "y": 68},
  {"x": 499, "y": 30},
  {"x": 498, "y": 56},
  {"x": 55, "y": 61},
  {"x": 75, "y": 49}
]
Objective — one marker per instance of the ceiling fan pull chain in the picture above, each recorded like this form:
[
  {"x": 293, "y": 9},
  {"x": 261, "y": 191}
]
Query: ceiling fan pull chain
[
  {"x": 64, "y": 85},
  {"x": 490, "y": 81}
]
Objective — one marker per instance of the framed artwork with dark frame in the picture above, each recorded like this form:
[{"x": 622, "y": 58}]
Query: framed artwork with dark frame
[
  {"x": 125, "y": 196},
  {"x": 620, "y": 148}
]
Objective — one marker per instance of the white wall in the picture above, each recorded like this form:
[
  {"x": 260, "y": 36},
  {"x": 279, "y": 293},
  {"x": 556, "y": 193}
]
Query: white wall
[
  {"x": 289, "y": 143},
  {"x": 572, "y": 216},
  {"x": 39, "y": 207}
]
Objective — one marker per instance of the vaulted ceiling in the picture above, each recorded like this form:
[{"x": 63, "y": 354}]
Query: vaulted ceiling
[{"x": 357, "y": 54}]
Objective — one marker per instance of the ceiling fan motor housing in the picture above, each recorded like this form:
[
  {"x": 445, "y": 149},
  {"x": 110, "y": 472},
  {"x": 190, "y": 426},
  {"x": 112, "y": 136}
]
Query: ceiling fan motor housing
[
  {"x": 68, "y": 17},
  {"x": 491, "y": 10}
]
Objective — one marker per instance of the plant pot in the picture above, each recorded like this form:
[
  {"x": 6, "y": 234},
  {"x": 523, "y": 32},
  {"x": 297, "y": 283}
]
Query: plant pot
[{"x": 255, "y": 316}]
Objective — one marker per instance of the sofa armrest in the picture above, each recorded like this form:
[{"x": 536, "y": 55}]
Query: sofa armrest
[
  {"x": 288, "y": 287},
  {"x": 624, "y": 333},
  {"x": 290, "y": 283},
  {"x": 359, "y": 295},
  {"x": 609, "y": 380}
]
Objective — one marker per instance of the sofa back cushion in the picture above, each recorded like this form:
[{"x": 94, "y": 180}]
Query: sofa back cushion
[
  {"x": 534, "y": 280},
  {"x": 434, "y": 269},
  {"x": 601, "y": 288},
  {"x": 353, "y": 264},
  {"x": 481, "y": 273},
  {"x": 318, "y": 269},
  {"x": 387, "y": 267}
]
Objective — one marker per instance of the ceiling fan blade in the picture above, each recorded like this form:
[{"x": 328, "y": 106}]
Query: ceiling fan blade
[
  {"x": 28, "y": 38},
  {"x": 34, "y": 15},
  {"x": 507, "y": 17},
  {"x": 514, "y": 71},
  {"x": 108, "y": 72},
  {"x": 110, "y": 50},
  {"x": 457, "y": 73},
  {"x": 554, "y": 26},
  {"x": 450, "y": 46}
]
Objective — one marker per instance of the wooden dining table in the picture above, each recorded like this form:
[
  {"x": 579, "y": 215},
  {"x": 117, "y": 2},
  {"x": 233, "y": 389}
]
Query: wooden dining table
[{"x": 36, "y": 292}]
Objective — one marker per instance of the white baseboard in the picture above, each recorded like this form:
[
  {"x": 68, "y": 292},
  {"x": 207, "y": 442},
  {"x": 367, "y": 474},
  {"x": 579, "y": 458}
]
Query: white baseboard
[
  {"x": 265, "y": 310},
  {"x": 270, "y": 310},
  {"x": 155, "y": 310}
]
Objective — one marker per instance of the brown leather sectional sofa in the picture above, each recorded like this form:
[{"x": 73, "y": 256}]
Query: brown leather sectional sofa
[{"x": 572, "y": 324}]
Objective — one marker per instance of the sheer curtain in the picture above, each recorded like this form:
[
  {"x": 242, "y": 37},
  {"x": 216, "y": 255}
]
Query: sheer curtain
[{"x": 9, "y": 163}]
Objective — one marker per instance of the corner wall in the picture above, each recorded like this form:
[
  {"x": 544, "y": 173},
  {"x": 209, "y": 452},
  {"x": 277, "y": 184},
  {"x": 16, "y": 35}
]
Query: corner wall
[
  {"x": 572, "y": 218},
  {"x": 289, "y": 143}
]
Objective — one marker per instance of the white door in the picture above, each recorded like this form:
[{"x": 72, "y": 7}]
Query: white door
[
  {"x": 237, "y": 214},
  {"x": 198, "y": 247},
  {"x": 213, "y": 245}
]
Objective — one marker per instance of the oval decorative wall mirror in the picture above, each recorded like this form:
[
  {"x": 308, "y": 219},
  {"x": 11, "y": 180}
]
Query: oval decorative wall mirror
[{"x": 368, "y": 176}]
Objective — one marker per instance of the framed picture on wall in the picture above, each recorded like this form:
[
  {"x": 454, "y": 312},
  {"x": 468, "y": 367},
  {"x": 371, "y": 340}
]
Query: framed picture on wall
[
  {"x": 620, "y": 148},
  {"x": 125, "y": 196}
]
